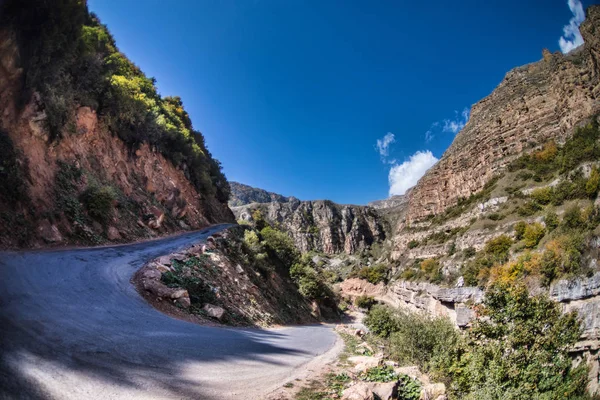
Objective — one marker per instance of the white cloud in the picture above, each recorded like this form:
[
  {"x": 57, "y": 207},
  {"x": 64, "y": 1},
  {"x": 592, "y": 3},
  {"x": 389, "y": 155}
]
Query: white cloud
[
  {"x": 406, "y": 175},
  {"x": 455, "y": 125},
  {"x": 383, "y": 144},
  {"x": 571, "y": 38},
  {"x": 429, "y": 135}
]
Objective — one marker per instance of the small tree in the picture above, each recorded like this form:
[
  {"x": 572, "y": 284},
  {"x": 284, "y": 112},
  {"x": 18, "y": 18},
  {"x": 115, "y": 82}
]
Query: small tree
[{"x": 533, "y": 234}]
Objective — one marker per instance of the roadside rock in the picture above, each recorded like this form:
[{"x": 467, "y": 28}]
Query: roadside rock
[
  {"x": 360, "y": 391},
  {"x": 113, "y": 233},
  {"x": 385, "y": 390},
  {"x": 49, "y": 233},
  {"x": 434, "y": 391},
  {"x": 184, "y": 302},
  {"x": 214, "y": 311},
  {"x": 363, "y": 363},
  {"x": 151, "y": 274},
  {"x": 414, "y": 373}
]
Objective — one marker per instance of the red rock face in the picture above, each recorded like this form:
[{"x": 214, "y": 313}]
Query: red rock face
[
  {"x": 159, "y": 188},
  {"x": 533, "y": 104}
]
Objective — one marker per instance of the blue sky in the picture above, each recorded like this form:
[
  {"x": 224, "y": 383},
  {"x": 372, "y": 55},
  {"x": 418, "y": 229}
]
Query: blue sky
[{"x": 293, "y": 95}]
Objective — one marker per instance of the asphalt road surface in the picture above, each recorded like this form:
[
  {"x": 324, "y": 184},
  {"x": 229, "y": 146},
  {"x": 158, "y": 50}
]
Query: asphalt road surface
[{"x": 72, "y": 326}]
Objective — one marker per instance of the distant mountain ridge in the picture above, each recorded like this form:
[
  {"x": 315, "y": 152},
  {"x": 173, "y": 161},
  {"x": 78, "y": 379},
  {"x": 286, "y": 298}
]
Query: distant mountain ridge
[{"x": 244, "y": 194}]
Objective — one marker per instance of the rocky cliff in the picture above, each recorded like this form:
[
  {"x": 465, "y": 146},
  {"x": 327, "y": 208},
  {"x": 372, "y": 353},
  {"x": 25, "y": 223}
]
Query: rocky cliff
[
  {"x": 77, "y": 165},
  {"x": 321, "y": 225},
  {"x": 533, "y": 104},
  {"x": 243, "y": 194}
]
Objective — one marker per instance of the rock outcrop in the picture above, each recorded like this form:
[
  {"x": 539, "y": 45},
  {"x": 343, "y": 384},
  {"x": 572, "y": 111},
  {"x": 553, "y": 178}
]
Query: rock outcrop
[
  {"x": 533, "y": 104},
  {"x": 321, "y": 225}
]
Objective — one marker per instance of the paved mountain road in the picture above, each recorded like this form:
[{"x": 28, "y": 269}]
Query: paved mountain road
[{"x": 73, "y": 327}]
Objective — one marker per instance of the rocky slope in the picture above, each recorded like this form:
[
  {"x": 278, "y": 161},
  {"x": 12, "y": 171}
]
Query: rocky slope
[
  {"x": 243, "y": 194},
  {"x": 321, "y": 225},
  {"x": 79, "y": 181},
  {"x": 532, "y": 104}
]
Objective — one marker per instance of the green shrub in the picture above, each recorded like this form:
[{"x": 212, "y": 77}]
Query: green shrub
[
  {"x": 66, "y": 182},
  {"x": 408, "y": 388},
  {"x": 381, "y": 320},
  {"x": 520, "y": 350},
  {"x": 520, "y": 229},
  {"x": 373, "y": 273},
  {"x": 542, "y": 195},
  {"x": 551, "y": 221},
  {"x": 419, "y": 339},
  {"x": 380, "y": 374},
  {"x": 593, "y": 183},
  {"x": 528, "y": 209},
  {"x": 280, "y": 243},
  {"x": 310, "y": 280},
  {"x": 98, "y": 201},
  {"x": 13, "y": 172},
  {"x": 364, "y": 301},
  {"x": 533, "y": 234},
  {"x": 498, "y": 248},
  {"x": 562, "y": 257},
  {"x": 572, "y": 218},
  {"x": 496, "y": 216},
  {"x": 432, "y": 270}
]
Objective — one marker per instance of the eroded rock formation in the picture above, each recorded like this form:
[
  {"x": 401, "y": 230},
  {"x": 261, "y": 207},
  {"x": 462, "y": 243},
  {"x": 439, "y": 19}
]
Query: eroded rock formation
[{"x": 321, "y": 225}]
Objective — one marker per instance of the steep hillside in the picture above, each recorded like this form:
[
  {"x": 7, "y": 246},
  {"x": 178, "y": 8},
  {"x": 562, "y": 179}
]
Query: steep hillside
[
  {"x": 320, "y": 226},
  {"x": 243, "y": 194},
  {"x": 533, "y": 104},
  {"x": 90, "y": 151}
]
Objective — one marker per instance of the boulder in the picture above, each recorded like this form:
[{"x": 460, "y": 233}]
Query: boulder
[
  {"x": 157, "y": 288},
  {"x": 163, "y": 268},
  {"x": 113, "y": 233},
  {"x": 363, "y": 363},
  {"x": 433, "y": 391},
  {"x": 413, "y": 372},
  {"x": 184, "y": 302},
  {"x": 385, "y": 390},
  {"x": 164, "y": 260},
  {"x": 178, "y": 256},
  {"x": 364, "y": 348},
  {"x": 360, "y": 391},
  {"x": 48, "y": 232},
  {"x": 152, "y": 274},
  {"x": 214, "y": 311},
  {"x": 179, "y": 293},
  {"x": 156, "y": 223}
]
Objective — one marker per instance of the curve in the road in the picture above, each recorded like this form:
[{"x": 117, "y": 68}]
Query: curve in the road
[{"x": 73, "y": 327}]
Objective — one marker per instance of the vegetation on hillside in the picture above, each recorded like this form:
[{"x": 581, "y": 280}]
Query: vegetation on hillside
[
  {"x": 71, "y": 60},
  {"x": 271, "y": 249},
  {"x": 546, "y": 230},
  {"x": 518, "y": 351}
]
